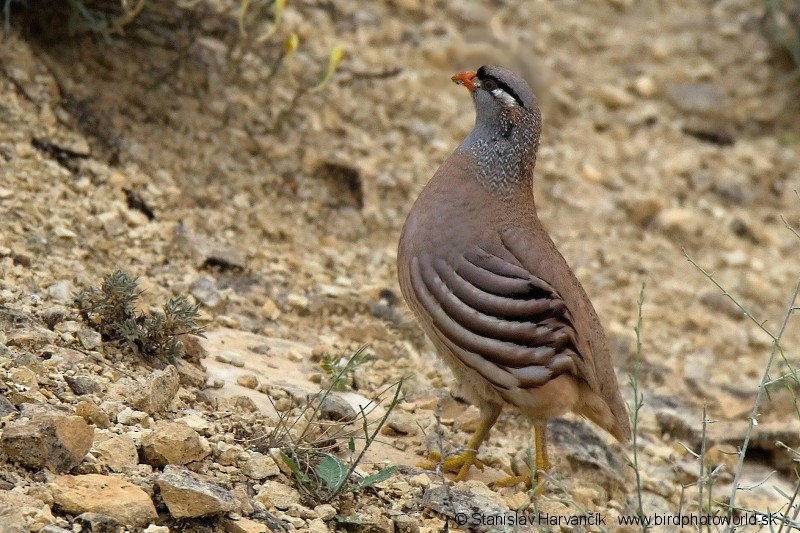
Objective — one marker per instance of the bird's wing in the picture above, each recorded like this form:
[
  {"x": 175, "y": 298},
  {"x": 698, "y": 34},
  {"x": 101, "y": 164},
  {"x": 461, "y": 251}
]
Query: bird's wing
[{"x": 497, "y": 316}]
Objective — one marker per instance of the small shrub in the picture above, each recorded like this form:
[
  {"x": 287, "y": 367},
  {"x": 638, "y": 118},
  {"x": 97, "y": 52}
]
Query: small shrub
[
  {"x": 308, "y": 453},
  {"x": 111, "y": 311}
]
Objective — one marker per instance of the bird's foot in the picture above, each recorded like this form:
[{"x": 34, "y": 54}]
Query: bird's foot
[
  {"x": 537, "y": 483},
  {"x": 458, "y": 464}
]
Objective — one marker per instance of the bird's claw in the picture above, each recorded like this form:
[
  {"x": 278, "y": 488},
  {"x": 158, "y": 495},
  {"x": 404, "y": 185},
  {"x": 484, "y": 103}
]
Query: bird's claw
[
  {"x": 458, "y": 464},
  {"x": 537, "y": 483}
]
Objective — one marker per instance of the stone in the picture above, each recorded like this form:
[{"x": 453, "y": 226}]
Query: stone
[
  {"x": 96, "y": 523},
  {"x": 249, "y": 381},
  {"x": 205, "y": 291},
  {"x": 189, "y": 495},
  {"x": 259, "y": 466},
  {"x": 190, "y": 375},
  {"x": 207, "y": 251},
  {"x": 589, "y": 456},
  {"x": 24, "y": 376},
  {"x": 678, "y": 222},
  {"x": 700, "y": 98},
  {"x": 400, "y": 423},
  {"x": 718, "y": 302},
  {"x": 53, "y": 440},
  {"x": 645, "y": 86},
  {"x": 614, "y": 96},
  {"x": 82, "y": 385},
  {"x": 6, "y": 407},
  {"x": 30, "y": 338},
  {"x": 152, "y": 528},
  {"x": 93, "y": 414},
  {"x": 152, "y": 395},
  {"x": 23, "y": 512},
  {"x": 336, "y": 409},
  {"x": 117, "y": 452},
  {"x": 244, "y": 525},
  {"x": 326, "y": 511},
  {"x": 455, "y": 501},
  {"x": 643, "y": 210},
  {"x": 108, "y": 495},
  {"x": 299, "y": 302},
  {"x": 277, "y": 495},
  {"x": 90, "y": 339},
  {"x": 52, "y": 528},
  {"x": 227, "y": 454},
  {"x": 173, "y": 443},
  {"x": 196, "y": 421},
  {"x": 316, "y": 525},
  {"x": 132, "y": 417}
]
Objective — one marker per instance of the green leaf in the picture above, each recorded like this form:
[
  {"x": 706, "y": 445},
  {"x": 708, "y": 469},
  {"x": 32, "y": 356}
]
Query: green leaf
[
  {"x": 332, "y": 472},
  {"x": 351, "y": 520},
  {"x": 351, "y": 444},
  {"x": 298, "y": 474},
  {"x": 381, "y": 475}
]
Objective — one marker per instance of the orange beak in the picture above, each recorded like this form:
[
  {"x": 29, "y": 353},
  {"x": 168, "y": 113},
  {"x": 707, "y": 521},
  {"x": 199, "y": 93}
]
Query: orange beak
[{"x": 465, "y": 79}]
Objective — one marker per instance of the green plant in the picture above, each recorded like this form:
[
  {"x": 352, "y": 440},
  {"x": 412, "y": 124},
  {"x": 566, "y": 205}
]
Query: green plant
[
  {"x": 336, "y": 56},
  {"x": 111, "y": 311},
  {"x": 340, "y": 370},
  {"x": 790, "y": 510},
  {"x": 308, "y": 455},
  {"x": 636, "y": 406}
]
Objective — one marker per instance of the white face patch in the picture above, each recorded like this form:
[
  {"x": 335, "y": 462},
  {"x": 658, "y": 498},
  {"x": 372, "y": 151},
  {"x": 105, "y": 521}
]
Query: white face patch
[{"x": 506, "y": 99}]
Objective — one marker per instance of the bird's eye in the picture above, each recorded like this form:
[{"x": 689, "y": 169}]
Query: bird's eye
[{"x": 489, "y": 84}]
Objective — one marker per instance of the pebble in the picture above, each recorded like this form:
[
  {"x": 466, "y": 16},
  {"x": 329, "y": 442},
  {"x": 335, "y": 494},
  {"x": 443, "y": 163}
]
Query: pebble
[
  {"x": 249, "y": 381},
  {"x": 297, "y": 301},
  {"x": 325, "y": 511},
  {"x": 24, "y": 376},
  {"x": 231, "y": 358},
  {"x": 173, "y": 443},
  {"x": 277, "y": 495},
  {"x": 189, "y": 495},
  {"x": 61, "y": 291},
  {"x": 153, "y": 394},
  {"x": 96, "y": 523},
  {"x": 205, "y": 291},
  {"x": 644, "y": 86},
  {"x": 90, "y": 339},
  {"x": 58, "y": 441},
  {"x": 21, "y": 512},
  {"x": 108, "y": 495},
  {"x": 117, "y": 452},
  {"x": 697, "y": 97},
  {"x": 614, "y": 97},
  {"x": 259, "y": 466}
]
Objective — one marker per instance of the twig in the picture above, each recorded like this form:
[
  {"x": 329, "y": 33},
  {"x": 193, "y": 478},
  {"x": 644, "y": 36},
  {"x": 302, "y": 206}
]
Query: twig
[
  {"x": 762, "y": 387},
  {"x": 638, "y": 403}
]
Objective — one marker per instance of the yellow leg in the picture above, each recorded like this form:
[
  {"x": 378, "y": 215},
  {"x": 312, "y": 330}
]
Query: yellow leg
[
  {"x": 461, "y": 462},
  {"x": 542, "y": 463}
]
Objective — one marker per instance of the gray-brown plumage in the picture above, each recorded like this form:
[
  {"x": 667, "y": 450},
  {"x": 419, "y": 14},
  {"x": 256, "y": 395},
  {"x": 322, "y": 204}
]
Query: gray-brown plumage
[{"x": 489, "y": 287}]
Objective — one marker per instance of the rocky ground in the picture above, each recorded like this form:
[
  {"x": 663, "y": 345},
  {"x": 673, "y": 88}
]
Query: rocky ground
[{"x": 180, "y": 154}]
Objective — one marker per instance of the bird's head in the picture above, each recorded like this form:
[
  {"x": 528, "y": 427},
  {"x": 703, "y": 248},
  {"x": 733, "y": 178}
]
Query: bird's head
[
  {"x": 501, "y": 97},
  {"x": 507, "y": 126}
]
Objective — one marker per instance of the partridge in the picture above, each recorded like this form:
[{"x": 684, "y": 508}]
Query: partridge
[{"x": 487, "y": 284}]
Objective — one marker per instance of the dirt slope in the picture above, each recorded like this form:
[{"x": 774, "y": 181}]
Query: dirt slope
[{"x": 668, "y": 126}]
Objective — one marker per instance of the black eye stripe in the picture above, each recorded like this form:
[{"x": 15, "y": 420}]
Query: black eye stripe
[{"x": 483, "y": 75}]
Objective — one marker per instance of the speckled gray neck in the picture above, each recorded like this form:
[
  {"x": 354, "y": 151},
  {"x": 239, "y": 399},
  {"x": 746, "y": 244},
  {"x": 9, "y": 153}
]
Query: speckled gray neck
[{"x": 504, "y": 150}]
